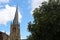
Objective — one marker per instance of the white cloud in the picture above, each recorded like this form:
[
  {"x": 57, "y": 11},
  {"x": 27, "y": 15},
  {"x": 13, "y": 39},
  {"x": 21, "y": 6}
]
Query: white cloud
[
  {"x": 8, "y": 33},
  {"x": 4, "y": 1},
  {"x": 2, "y": 31},
  {"x": 7, "y": 14},
  {"x": 36, "y": 4}
]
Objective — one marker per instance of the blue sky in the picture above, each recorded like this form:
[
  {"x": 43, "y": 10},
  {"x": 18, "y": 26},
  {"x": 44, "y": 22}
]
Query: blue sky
[{"x": 7, "y": 11}]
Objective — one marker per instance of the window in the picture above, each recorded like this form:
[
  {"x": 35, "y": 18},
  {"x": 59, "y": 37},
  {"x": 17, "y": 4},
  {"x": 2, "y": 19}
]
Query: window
[
  {"x": 14, "y": 29},
  {"x": 16, "y": 39}
]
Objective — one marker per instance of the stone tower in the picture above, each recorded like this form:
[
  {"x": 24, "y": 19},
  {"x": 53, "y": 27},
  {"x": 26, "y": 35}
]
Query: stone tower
[{"x": 15, "y": 29}]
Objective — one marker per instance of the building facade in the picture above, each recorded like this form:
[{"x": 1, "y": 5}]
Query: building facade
[
  {"x": 1, "y": 37},
  {"x": 4, "y": 36},
  {"x": 14, "y": 29}
]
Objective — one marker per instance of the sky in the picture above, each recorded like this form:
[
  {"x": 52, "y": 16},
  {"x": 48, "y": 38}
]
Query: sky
[{"x": 25, "y": 11}]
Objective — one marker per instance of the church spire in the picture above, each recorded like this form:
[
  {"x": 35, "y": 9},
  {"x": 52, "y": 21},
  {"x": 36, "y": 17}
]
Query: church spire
[{"x": 15, "y": 21}]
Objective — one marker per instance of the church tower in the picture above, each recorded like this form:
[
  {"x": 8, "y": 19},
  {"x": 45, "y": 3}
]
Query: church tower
[{"x": 15, "y": 29}]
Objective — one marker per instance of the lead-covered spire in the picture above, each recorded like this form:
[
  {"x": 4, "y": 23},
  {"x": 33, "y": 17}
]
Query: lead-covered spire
[{"x": 15, "y": 21}]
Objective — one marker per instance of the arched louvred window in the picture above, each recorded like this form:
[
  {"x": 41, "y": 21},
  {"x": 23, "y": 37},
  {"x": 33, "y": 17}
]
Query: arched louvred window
[{"x": 14, "y": 29}]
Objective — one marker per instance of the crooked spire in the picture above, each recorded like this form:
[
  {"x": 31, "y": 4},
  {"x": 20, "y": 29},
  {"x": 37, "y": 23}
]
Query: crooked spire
[{"x": 15, "y": 21}]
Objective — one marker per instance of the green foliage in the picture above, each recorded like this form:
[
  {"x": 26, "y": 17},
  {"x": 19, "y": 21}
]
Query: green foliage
[{"x": 46, "y": 24}]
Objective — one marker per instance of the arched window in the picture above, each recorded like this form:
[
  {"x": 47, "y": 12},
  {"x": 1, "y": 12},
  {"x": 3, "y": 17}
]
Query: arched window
[
  {"x": 14, "y": 29},
  {"x": 16, "y": 39}
]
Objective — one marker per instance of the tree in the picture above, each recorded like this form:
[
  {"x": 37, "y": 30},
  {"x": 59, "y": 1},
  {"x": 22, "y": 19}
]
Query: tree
[{"x": 46, "y": 24}]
